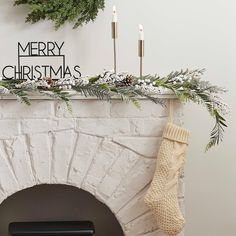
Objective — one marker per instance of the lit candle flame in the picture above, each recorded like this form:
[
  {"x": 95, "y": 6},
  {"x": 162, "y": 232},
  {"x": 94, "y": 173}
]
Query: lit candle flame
[
  {"x": 141, "y": 32},
  {"x": 114, "y": 19}
]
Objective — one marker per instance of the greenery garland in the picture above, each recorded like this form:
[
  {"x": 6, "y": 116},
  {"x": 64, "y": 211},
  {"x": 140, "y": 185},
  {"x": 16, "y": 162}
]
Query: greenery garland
[
  {"x": 62, "y": 11},
  {"x": 186, "y": 85}
]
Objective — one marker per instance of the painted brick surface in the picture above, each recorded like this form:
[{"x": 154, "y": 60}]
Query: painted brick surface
[
  {"x": 20, "y": 161},
  {"x": 62, "y": 153},
  {"x": 142, "y": 225},
  {"x": 81, "y": 108},
  {"x": 121, "y": 109},
  {"x": 8, "y": 181},
  {"x": 9, "y": 128},
  {"x": 134, "y": 209},
  {"x": 41, "y": 157},
  {"x": 107, "y": 149},
  {"x": 121, "y": 167},
  {"x": 105, "y": 127},
  {"x": 107, "y": 153},
  {"x": 85, "y": 150},
  {"x": 11, "y": 109}
]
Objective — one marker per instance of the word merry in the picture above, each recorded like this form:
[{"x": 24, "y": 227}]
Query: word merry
[{"x": 40, "y": 49}]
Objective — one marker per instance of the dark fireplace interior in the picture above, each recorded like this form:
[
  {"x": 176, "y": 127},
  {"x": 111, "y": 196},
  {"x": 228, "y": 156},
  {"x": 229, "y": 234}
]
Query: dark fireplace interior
[
  {"x": 58, "y": 203},
  {"x": 52, "y": 228}
]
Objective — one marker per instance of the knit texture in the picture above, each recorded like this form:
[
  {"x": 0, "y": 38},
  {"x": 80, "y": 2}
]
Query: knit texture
[{"x": 162, "y": 196}]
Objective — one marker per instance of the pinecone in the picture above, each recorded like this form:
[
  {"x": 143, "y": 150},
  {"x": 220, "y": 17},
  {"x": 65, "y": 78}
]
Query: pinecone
[
  {"x": 127, "y": 81},
  {"x": 49, "y": 80}
]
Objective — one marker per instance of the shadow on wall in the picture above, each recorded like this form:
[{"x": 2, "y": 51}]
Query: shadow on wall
[{"x": 58, "y": 203}]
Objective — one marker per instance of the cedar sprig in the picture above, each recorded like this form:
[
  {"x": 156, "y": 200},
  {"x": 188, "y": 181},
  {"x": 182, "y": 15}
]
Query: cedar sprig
[
  {"x": 192, "y": 88},
  {"x": 62, "y": 11}
]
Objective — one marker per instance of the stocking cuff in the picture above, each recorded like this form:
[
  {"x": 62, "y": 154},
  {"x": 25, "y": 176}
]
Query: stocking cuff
[{"x": 176, "y": 133}]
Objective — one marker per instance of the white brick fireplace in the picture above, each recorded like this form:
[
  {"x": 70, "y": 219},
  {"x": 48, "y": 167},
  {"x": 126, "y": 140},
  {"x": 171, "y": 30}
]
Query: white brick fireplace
[{"x": 107, "y": 149}]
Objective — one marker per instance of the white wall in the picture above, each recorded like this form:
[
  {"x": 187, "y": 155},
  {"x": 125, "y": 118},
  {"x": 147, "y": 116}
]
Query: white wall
[{"x": 179, "y": 34}]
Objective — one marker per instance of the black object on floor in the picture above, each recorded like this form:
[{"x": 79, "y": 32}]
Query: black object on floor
[{"x": 59, "y": 228}]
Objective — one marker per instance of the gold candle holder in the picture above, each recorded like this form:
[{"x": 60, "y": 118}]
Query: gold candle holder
[
  {"x": 114, "y": 37},
  {"x": 141, "y": 55}
]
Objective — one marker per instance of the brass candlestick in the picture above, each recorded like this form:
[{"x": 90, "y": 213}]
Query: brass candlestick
[
  {"x": 114, "y": 37},
  {"x": 141, "y": 55}
]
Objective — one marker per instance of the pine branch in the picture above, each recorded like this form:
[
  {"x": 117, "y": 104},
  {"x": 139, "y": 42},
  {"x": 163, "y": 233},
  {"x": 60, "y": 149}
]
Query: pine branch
[
  {"x": 200, "y": 92},
  {"x": 127, "y": 94},
  {"x": 150, "y": 97},
  {"x": 64, "y": 96},
  {"x": 101, "y": 92},
  {"x": 21, "y": 95}
]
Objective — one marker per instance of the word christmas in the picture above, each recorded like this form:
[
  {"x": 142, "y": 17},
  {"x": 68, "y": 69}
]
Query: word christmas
[{"x": 32, "y": 62}]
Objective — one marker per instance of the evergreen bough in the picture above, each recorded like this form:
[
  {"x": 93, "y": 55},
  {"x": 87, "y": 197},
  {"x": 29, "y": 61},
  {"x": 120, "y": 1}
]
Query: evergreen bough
[
  {"x": 185, "y": 84},
  {"x": 62, "y": 11}
]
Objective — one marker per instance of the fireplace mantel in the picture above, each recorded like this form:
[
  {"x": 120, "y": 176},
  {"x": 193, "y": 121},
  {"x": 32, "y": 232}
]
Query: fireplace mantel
[
  {"x": 106, "y": 148},
  {"x": 75, "y": 96}
]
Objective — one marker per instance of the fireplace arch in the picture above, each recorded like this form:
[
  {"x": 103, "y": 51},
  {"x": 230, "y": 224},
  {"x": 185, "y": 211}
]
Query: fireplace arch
[
  {"x": 58, "y": 203},
  {"x": 106, "y": 149}
]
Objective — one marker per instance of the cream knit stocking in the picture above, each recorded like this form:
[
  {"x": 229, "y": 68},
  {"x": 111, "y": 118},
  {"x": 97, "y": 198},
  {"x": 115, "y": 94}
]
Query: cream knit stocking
[{"x": 162, "y": 196}]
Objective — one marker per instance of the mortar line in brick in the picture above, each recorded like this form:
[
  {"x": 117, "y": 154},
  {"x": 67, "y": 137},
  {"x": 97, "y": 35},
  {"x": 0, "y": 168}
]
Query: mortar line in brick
[
  {"x": 28, "y": 149},
  {"x": 131, "y": 197},
  {"x": 24, "y": 118},
  {"x": 108, "y": 171},
  {"x": 4, "y": 195},
  {"x": 92, "y": 161},
  {"x": 58, "y": 130},
  {"x": 93, "y": 135},
  {"x": 140, "y": 194},
  {"x": 110, "y": 109},
  {"x": 122, "y": 145},
  {"x": 11, "y": 166},
  {"x": 52, "y": 155},
  {"x": 138, "y": 159},
  {"x": 154, "y": 231},
  {"x": 2, "y": 189},
  {"x": 138, "y": 216},
  {"x": 150, "y": 230},
  {"x": 72, "y": 156},
  {"x": 54, "y": 109},
  {"x": 141, "y": 215},
  {"x": 136, "y": 136},
  {"x": 21, "y": 126}
]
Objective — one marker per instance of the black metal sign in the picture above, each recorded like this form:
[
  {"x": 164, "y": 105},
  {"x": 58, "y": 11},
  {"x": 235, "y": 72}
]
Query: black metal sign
[{"x": 37, "y": 60}]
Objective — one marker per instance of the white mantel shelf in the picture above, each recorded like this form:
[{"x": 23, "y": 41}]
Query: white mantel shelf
[{"x": 76, "y": 96}]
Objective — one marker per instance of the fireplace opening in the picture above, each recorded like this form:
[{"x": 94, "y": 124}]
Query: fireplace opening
[{"x": 47, "y": 203}]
